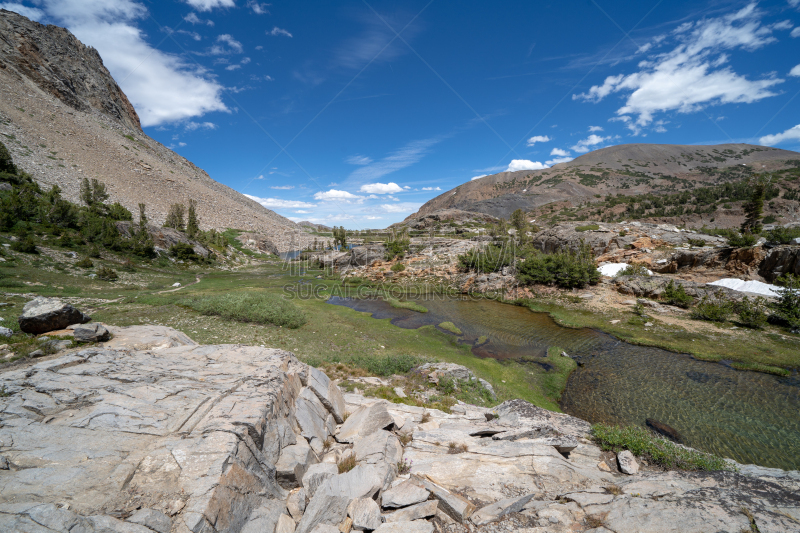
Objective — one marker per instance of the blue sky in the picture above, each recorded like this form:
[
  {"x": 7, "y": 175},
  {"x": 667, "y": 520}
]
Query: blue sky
[{"x": 357, "y": 112}]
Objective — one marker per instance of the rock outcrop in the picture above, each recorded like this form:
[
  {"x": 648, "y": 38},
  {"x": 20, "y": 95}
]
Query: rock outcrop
[
  {"x": 41, "y": 315},
  {"x": 152, "y": 432}
]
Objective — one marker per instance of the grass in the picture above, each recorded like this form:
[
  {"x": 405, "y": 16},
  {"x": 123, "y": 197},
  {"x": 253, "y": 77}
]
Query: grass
[
  {"x": 588, "y": 227},
  {"x": 455, "y": 448},
  {"x": 260, "y": 308},
  {"x": 664, "y": 453},
  {"x": 413, "y": 306},
  {"x": 452, "y": 328},
  {"x": 347, "y": 463},
  {"x": 758, "y": 367}
]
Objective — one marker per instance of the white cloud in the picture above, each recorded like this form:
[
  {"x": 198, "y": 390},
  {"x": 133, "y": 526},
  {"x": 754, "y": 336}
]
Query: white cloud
[
  {"x": 373, "y": 218},
  {"x": 794, "y": 3},
  {"x": 792, "y": 134},
  {"x": 692, "y": 76},
  {"x": 402, "y": 207},
  {"x": 524, "y": 164},
  {"x": 538, "y": 139},
  {"x": 434, "y": 188},
  {"x": 559, "y": 152},
  {"x": 192, "y": 126},
  {"x": 381, "y": 188},
  {"x": 276, "y": 31},
  {"x": 282, "y": 187},
  {"x": 402, "y": 158},
  {"x": 278, "y": 203},
  {"x": 192, "y": 18},
  {"x": 358, "y": 160},
  {"x": 586, "y": 144},
  {"x": 302, "y": 212},
  {"x": 208, "y": 5},
  {"x": 795, "y": 71},
  {"x": 258, "y": 8},
  {"x": 30, "y": 12},
  {"x": 233, "y": 67},
  {"x": 234, "y": 45},
  {"x": 478, "y": 177},
  {"x": 795, "y": 32},
  {"x": 558, "y": 160},
  {"x": 333, "y": 194},
  {"x": 593, "y": 129},
  {"x": 162, "y": 87},
  {"x": 245, "y": 60}
]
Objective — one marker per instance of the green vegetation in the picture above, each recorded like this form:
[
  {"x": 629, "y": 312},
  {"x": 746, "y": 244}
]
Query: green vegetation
[
  {"x": 754, "y": 208},
  {"x": 258, "y": 307},
  {"x": 675, "y": 294},
  {"x": 413, "y": 306},
  {"x": 84, "y": 263},
  {"x": 184, "y": 252},
  {"x": 175, "y": 216},
  {"x": 397, "y": 244},
  {"x": 340, "y": 237},
  {"x": 752, "y": 313},
  {"x": 782, "y": 235},
  {"x": 786, "y": 311},
  {"x": 486, "y": 260},
  {"x": 634, "y": 269},
  {"x": 452, "y": 328},
  {"x": 565, "y": 269},
  {"x": 107, "y": 274},
  {"x": 759, "y": 367},
  {"x": 697, "y": 242},
  {"x": 716, "y": 308},
  {"x": 664, "y": 453},
  {"x": 588, "y": 227},
  {"x": 744, "y": 240},
  {"x": 398, "y": 267}
]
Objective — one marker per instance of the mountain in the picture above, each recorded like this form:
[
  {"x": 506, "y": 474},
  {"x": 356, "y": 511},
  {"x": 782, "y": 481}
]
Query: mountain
[
  {"x": 627, "y": 169},
  {"x": 64, "y": 118}
]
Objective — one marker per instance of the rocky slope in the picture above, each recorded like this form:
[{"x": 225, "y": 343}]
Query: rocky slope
[
  {"x": 152, "y": 432},
  {"x": 64, "y": 118},
  {"x": 628, "y": 169}
]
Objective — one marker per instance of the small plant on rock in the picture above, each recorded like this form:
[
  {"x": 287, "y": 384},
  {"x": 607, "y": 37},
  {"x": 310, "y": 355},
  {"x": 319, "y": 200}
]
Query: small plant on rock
[
  {"x": 426, "y": 417},
  {"x": 404, "y": 466},
  {"x": 454, "y": 448},
  {"x": 346, "y": 463},
  {"x": 405, "y": 438},
  {"x": 107, "y": 274},
  {"x": 634, "y": 269}
]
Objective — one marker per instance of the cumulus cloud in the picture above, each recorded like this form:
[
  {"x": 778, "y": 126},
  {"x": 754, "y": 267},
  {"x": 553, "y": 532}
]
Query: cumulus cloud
[
  {"x": 234, "y": 46},
  {"x": 358, "y": 160},
  {"x": 558, "y": 160},
  {"x": 258, "y": 8},
  {"x": 538, "y": 139},
  {"x": 524, "y": 164},
  {"x": 792, "y": 134},
  {"x": 30, "y": 12},
  {"x": 278, "y": 203},
  {"x": 208, "y": 5},
  {"x": 381, "y": 188},
  {"x": 401, "y": 207},
  {"x": 276, "y": 32},
  {"x": 585, "y": 145},
  {"x": 593, "y": 129},
  {"x": 559, "y": 152},
  {"x": 795, "y": 71},
  {"x": 333, "y": 194},
  {"x": 434, "y": 188},
  {"x": 693, "y": 75},
  {"x": 162, "y": 87}
]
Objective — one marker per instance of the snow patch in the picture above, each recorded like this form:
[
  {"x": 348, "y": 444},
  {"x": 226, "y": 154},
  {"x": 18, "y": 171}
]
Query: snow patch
[
  {"x": 757, "y": 287},
  {"x": 613, "y": 269}
]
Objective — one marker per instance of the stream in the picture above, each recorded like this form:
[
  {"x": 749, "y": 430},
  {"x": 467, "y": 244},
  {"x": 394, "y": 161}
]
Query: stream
[{"x": 748, "y": 416}]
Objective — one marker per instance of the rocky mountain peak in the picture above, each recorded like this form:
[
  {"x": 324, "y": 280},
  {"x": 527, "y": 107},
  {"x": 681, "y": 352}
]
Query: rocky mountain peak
[{"x": 55, "y": 61}]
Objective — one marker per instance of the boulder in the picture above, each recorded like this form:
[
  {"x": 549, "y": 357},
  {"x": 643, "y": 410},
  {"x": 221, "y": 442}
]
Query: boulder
[
  {"x": 627, "y": 463},
  {"x": 417, "y": 526},
  {"x": 365, "y": 421},
  {"x": 456, "y": 507},
  {"x": 315, "y": 475},
  {"x": 436, "y": 371},
  {"x": 296, "y": 504},
  {"x": 311, "y": 416},
  {"x": 325, "y": 528},
  {"x": 378, "y": 447},
  {"x": 150, "y": 518},
  {"x": 92, "y": 332},
  {"x": 519, "y": 413},
  {"x": 663, "y": 429},
  {"x": 365, "y": 514},
  {"x": 497, "y": 510},
  {"x": 403, "y": 495},
  {"x": 41, "y": 315},
  {"x": 293, "y": 464},
  {"x": 5, "y": 332},
  {"x": 56, "y": 345},
  {"x": 285, "y": 524},
  {"x": 415, "y": 512},
  {"x": 327, "y": 393}
]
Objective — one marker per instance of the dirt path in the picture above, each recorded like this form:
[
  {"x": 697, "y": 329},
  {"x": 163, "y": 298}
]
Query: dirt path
[{"x": 197, "y": 280}]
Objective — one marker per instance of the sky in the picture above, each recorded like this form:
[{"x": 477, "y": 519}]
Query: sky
[{"x": 356, "y": 112}]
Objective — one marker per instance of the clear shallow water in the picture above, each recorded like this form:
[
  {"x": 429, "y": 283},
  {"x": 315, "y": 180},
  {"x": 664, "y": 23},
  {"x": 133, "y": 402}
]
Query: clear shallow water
[{"x": 747, "y": 416}]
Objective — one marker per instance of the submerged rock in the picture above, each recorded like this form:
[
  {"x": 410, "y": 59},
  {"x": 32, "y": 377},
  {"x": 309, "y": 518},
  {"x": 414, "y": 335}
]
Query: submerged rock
[{"x": 663, "y": 429}]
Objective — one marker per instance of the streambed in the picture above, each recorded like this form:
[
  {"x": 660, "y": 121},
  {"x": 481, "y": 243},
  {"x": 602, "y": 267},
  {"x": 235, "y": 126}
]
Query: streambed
[{"x": 747, "y": 416}]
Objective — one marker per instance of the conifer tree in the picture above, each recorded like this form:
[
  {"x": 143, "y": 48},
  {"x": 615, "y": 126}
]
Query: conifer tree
[
  {"x": 192, "y": 225},
  {"x": 754, "y": 209},
  {"x": 175, "y": 217}
]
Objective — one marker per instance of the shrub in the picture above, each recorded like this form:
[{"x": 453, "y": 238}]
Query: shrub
[
  {"x": 634, "y": 269},
  {"x": 489, "y": 259},
  {"x": 128, "y": 266},
  {"x": 642, "y": 442},
  {"x": 782, "y": 235},
  {"x": 714, "y": 308},
  {"x": 84, "y": 263},
  {"x": 107, "y": 274},
  {"x": 93, "y": 251},
  {"x": 565, "y": 269},
  {"x": 25, "y": 245},
  {"x": 697, "y": 242},
  {"x": 752, "y": 313},
  {"x": 184, "y": 252},
  {"x": 786, "y": 310},
  {"x": 675, "y": 294},
  {"x": 256, "y": 307},
  {"x": 399, "y": 267},
  {"x": 742, "y": 241},
  {"x": 455, "y": 448},
  {"x": 770, "y": 219}
]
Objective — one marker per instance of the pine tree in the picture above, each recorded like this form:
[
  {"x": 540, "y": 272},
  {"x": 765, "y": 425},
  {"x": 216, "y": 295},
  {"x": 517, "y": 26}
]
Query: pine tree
[
  {"x": 142, "y": 217},
  {"x": 99, "y": 193},
  {"x": 175, "y": 217},
  {"x": 192, "y": 225},
  {"x": 754, "y": 209},
  {"x": 86, "y": 192},
  {"x": 518, "y": 220}
]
